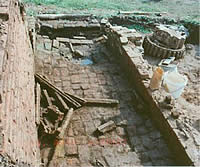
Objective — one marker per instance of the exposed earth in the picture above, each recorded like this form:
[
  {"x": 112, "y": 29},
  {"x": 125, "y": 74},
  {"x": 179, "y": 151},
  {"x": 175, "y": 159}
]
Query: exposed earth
[{"x": 75, "y": 90}]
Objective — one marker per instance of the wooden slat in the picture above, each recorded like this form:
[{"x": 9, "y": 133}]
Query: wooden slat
[
  {"x": 71, "y": 47},
  {"x": 37, "y": 108},
  {"x": 47, "y": 97},
  {"x": 75, "y": 41},
  {"x": 62, "y": 101},
  {"x": 101, "y": 102},
  {"x": 55, "y": 89},
  {"x": 65, "y": 123},
  {"x": 142, "y": 13},
  {"x": 59, "y": 152},
  {"x": 62, "y": 16},
  {"x": 79, "y": 99}
]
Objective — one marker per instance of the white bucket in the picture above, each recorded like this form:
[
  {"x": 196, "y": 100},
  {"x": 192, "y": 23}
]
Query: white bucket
[{"x": 175, "y": 83}]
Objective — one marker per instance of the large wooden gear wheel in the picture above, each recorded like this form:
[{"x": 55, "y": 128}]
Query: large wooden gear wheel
[{"x": 153, "y": 49}]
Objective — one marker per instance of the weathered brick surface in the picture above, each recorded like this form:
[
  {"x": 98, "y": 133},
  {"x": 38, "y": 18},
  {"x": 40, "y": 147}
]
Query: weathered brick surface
[
  {"x": 17, "y": 108},
  {"x": 122, "y": 146},
  {"x": 139, "y": 72}
]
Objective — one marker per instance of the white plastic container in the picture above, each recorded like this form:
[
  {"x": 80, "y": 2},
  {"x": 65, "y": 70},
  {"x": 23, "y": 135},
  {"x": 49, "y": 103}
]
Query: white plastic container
[{"x": 174, "y": 83}]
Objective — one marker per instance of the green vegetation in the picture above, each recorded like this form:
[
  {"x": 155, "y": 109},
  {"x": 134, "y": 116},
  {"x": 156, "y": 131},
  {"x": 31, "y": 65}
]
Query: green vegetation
[
  {"x": 186, "y": 9},
  {"x": 139, "y": 28},
  {"x": 91, "y": 4}
]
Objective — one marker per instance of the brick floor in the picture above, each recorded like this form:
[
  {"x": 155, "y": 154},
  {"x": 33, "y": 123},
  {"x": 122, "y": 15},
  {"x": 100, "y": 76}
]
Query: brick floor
[{"x": 137, "y": 143}]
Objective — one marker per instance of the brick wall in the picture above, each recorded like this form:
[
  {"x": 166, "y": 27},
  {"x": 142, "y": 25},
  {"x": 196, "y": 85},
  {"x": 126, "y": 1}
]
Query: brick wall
[
  {"x": 138, "y": 71},
  {"x": 17, "y": 108}
]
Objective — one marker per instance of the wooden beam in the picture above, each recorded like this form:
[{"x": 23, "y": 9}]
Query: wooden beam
[
  {"x": 142, "y": 13},
  {"x": 62, "y": 16},
  {"x": 55, "y": 89},
  {"x": 47, "y": 97},
  {"x": 65, "y": 123},
  {"x": 71, "y": 47},
  {"x": 37, "y": 105},
  {"x": 75, "y": 41},
  {"x": 79, "y": 37},
  {"x": 79, "y": 99},
  {"x": 59, "y": 148},
  {"x": 101, "y": 101},
  {"x": 106, "y": 127},
  {"x": 62, "y": 101}
]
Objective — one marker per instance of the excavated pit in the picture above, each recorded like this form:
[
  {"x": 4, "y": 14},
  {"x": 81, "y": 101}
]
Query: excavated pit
[
  {"x": 91, "y": 71},
  {"x": 87, "y": 111}
]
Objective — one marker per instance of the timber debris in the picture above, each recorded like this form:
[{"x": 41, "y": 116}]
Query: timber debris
[
  {"x": 58, "y": 152},
  {"x": 37, "y": 104},
  {"x": 54, "y": 110},
  {"x": 62, "y": 16},
  {"x": 112, "y": 102},
  {"x": 108, "y": 126},
  {"x": 72, "y": 100},
  {"x": 52, "y": 106},
  {"x": 142, "y": 13}
]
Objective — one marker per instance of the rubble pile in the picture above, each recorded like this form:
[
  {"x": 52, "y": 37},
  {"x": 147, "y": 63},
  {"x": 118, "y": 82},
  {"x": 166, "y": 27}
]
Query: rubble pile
[{"x": 52, "y": 105}]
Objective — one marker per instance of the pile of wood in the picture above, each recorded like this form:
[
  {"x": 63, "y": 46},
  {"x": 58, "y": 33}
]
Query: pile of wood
[
  {"x": 52, "y": 106},
  {"x": 54, "y": 110}
]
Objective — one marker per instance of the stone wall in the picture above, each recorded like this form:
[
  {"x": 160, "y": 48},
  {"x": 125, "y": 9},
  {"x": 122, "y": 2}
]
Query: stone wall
[
  {"x": 17, "y": 105},
  {"x": 123, "y": 44}
]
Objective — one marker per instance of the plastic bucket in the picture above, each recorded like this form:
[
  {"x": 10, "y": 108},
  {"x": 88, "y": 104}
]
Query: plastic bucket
[{"x": 175, "y": 83}]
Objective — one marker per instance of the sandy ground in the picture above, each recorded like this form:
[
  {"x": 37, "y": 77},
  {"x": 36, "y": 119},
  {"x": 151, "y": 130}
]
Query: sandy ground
[{"x": 190, "y": 99}]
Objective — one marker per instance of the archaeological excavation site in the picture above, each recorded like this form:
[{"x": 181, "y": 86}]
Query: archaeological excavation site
[{"x": 82, "y": 90}]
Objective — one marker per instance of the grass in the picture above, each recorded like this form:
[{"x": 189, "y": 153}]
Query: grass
[
  {"x": 139, "y": 28},
  {"x": 94, "y": 4},
  {"x": 185, "y": 9}
]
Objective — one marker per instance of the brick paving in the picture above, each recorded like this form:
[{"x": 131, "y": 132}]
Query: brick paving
[{"x": 135, "y": 141}]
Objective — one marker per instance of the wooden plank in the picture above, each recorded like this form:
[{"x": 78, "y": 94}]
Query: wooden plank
[
  {"x": 65, "y": 40},
  {"x": 46, "y": 127},
  {"x": 106, "y": 127},
  {"x": 81, "y": 42},
  {"x": 71, "y": 47},
  {"x": 59, "y": 148},
  {"x": 102, "y": 38},
  {"x": 37, "y": 105},
  {"x": 55, "y": 89},
  {"x": 65, "y": 123},
  {"x": 142, "y": 13},
  {"x": 75, "y": 41},
  {"x": 47, "y": 97},
  {"x": 79, "y": 99},
  {"x": 62, "y": 101},
  {"x": 79, "y": 37},
  {"x": 62, "y": 16},
  {"x": 101, "y": 102}
]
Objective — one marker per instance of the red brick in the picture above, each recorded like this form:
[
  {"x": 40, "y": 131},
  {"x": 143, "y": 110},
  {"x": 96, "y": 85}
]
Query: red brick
[
  {"x": 81, "y": 140},
  {"x": 75, "y": 79},
  {"x": 70, "y": 141},
  {"x": 71, "y": 149},
  {"x": 73, "y": 162}
]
